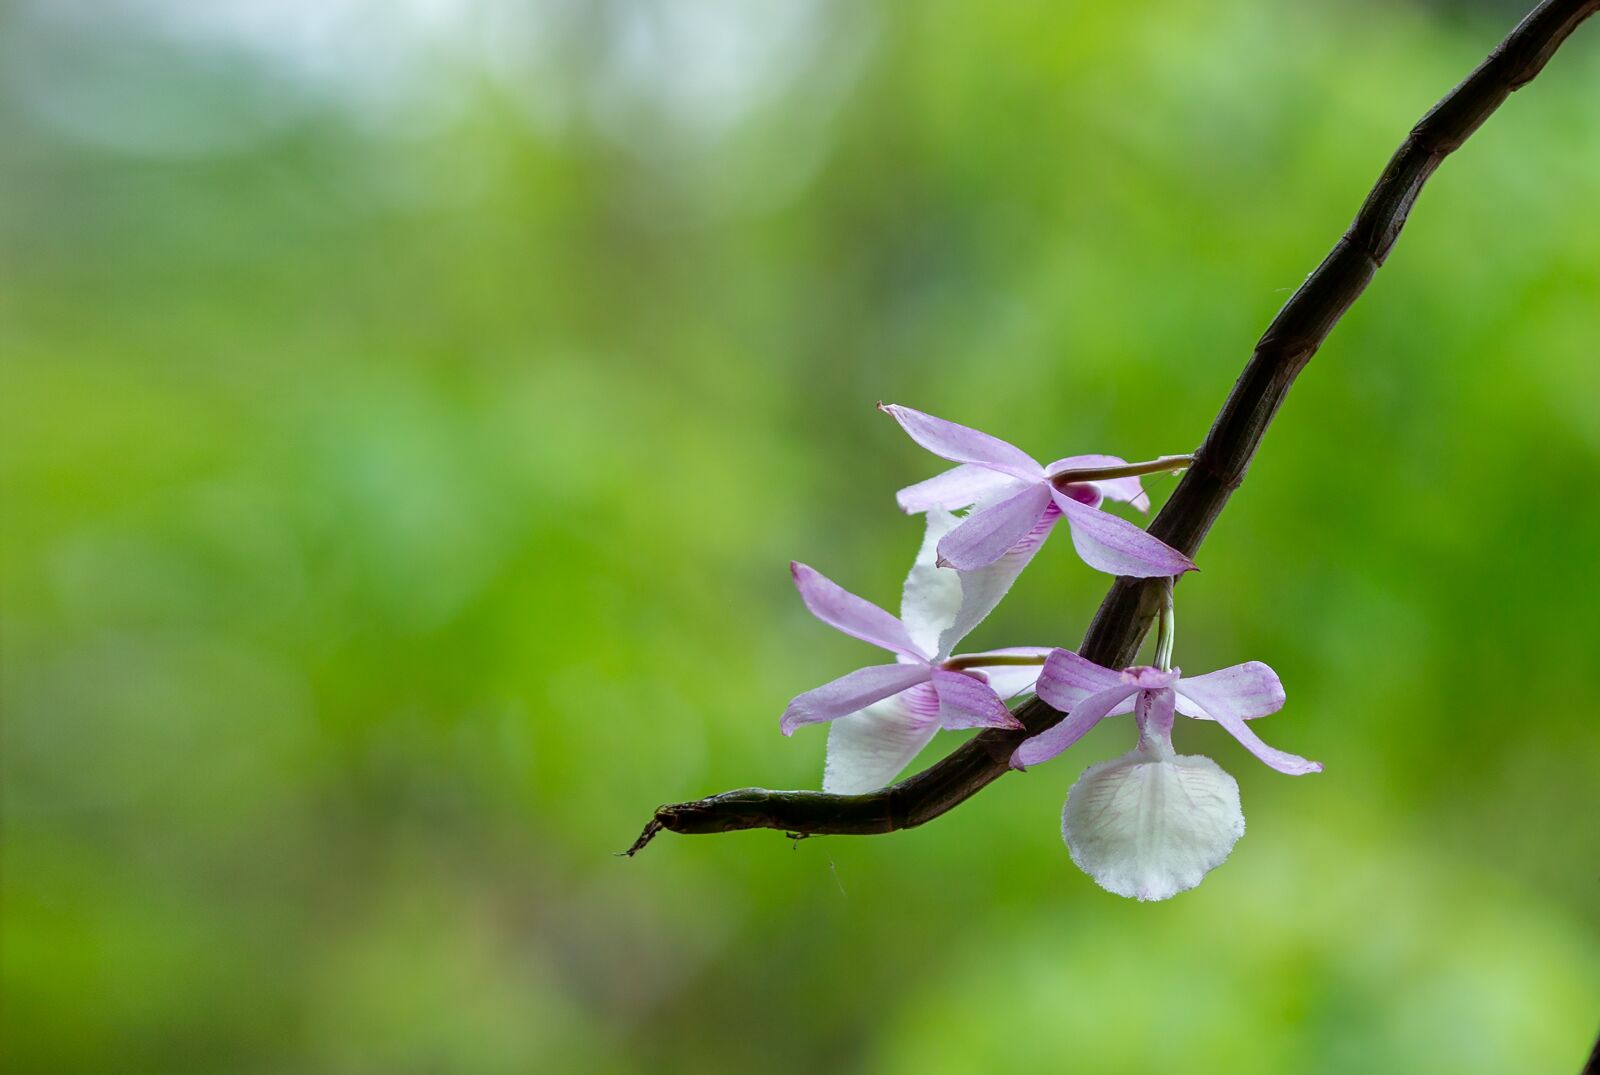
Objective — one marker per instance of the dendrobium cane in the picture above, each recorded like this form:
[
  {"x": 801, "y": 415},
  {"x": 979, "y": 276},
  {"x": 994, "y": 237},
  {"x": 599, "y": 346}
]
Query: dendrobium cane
[
  {"x": 1153, "y": 823},
  {"x": 1012, "y": 496},
  {"x": 883, "y": 715}
]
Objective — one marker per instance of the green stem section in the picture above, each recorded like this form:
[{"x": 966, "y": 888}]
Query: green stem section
[
  {"x": 1173, "y": 463},
  {"x": 980, "y": 660},
  {"x": 1166, "y": 632}
]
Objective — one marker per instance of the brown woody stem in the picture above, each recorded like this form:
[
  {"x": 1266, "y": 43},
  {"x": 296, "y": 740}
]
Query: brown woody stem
[{"x": 1219, "y": 465}]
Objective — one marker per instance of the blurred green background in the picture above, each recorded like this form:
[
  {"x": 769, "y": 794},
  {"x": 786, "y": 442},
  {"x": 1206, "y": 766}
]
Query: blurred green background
[{"x": 410, "y": 409}]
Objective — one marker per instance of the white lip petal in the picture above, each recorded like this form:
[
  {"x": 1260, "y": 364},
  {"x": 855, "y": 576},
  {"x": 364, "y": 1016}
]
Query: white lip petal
[
  {"x": 931, "y": 599},
  {"x": 867, "y": 749},
  {"x": 982, "y": 590},
  {"x": 1151, "y": 824}
]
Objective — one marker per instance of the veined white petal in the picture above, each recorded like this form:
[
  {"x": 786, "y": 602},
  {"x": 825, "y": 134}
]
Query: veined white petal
[
  {"x": 982, "y": 590},
  {"x": 1152, "y": 824},
  {"x": 867, "y": 750},
  {"x": 932, "y": 595}
]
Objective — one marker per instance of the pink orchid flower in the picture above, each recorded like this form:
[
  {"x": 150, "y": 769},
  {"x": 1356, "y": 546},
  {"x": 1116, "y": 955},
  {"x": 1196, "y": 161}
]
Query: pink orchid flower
[
  {"x": 1153, "y": 823},
  {"x": 884, "y": 715},
  {"x": 1012, "y": 494}
]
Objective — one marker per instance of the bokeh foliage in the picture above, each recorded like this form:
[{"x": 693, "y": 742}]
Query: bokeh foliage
[{"x": 409, "y": 410}]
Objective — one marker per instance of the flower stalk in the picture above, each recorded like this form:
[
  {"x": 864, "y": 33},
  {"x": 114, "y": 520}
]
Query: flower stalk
[
  {"x": 1166, "y": 633},
  {"x": 1166, "y": 464}
]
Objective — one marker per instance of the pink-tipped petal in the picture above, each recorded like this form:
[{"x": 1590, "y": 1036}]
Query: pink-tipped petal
[
  {"x": 1218, "y": 705},
  {"x": 932, "y": 596},
  {"x": 1251, "y": 689},
  {"x": 1068, "y": 679},
  {"x": 1125, "y": 490},
  {"x": 867, "y": 750},
  {"x": 1084, "y": 716},
  {"x": 855, "y": 616},
  {"x": 959, "y": 444},
  {"x": 985, "y": 536},
  {"x": 958, "y": 487},
  {"x": 850, "y": 693},
  {"x": 967, "y": 702},
  {"x": 1117, "y": 547}
]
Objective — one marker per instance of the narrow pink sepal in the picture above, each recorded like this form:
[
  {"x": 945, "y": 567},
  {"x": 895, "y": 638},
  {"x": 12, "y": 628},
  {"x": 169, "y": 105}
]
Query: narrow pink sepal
[
  {"x": 855, "y": 616},
  {"x": 1068, "y": 679},
  {"x": 1218, "y": 705},
  {"x": 1084, "y": 715},
  {"x": 1251, "y": 690},
  {"x": 851, "y": 692},
  {"x": 1116, "y": 546},
  {"x": 961, "y": 444}
]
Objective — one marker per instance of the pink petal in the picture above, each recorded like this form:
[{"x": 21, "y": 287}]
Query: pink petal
[
  {"x": 967, "y": 702},
  {"x": 1068, "y": 679},
  {"x": 855, "y": 616},
  {"x": 1116, "y": 546},
  {"x": 867, "y": 750},
  {"x": 850, "y": 693},
  {"x": 1084, "y": 715},
  {"x": 1218, "y": 705},
  {"x": 956, "y": 488},
  {"x": 1251, "y": 690},
  {"x": 959, "y": 444},
  {"x": 1126, "y": 490},
  {"x": 985, "y": 536}
]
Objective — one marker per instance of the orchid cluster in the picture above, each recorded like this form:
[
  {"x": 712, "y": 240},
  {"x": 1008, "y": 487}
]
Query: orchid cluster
[{"x": 1149, "y": 824}]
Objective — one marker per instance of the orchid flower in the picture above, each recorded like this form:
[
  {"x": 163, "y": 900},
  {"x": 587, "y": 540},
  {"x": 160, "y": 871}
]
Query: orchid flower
[
  {"x": 884, "y": 715},
  {"x": 1011, "y": 495},
  {"x": 1153, "y": 823}
]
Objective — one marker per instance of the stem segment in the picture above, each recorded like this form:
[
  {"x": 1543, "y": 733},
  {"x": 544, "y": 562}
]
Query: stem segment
[
  {"x": 1173, "y": 463},
  {"x": 1166, "y": 632},
  {"x": 979, "y": 660}
]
